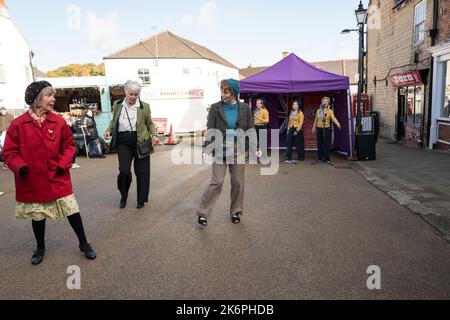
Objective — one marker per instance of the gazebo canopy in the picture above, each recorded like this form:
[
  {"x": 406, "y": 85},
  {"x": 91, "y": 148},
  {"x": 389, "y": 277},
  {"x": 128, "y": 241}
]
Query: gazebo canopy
[{"x": 293, "y": 75}]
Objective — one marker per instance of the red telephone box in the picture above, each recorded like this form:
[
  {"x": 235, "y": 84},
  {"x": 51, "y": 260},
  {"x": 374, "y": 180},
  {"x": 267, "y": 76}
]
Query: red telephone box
[{"x": 365, "y": 104}]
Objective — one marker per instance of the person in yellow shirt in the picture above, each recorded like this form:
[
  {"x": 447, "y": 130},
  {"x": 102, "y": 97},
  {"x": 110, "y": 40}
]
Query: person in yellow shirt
[
  {"x": 322, "y": 125},
  {"x": 295, "y": 133},
  {"x": 261, "y": 120}
]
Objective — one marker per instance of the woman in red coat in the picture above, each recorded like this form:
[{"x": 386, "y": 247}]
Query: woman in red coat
[{"x": 39, "y": 148}]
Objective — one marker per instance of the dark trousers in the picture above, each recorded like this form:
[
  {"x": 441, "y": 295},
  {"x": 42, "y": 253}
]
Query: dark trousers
[
  {"x": 324, "y": 143},
  {"x": 127, "y": 151},
  {"x": 262, "y": 136},
  {"x": 299, "y": 142}
]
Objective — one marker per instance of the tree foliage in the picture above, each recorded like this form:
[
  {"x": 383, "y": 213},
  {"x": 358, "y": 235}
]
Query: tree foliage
[{"x": 78, "y": 70}]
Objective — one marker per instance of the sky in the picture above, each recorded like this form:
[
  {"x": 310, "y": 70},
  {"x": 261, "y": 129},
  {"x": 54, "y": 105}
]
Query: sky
[{"x": 245, "y": 32}]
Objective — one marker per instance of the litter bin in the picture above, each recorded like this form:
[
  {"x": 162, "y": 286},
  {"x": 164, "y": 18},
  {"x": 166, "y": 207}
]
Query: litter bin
[
  {"x": 366, "y": 147},
  {"x": 376, "y": 120}
]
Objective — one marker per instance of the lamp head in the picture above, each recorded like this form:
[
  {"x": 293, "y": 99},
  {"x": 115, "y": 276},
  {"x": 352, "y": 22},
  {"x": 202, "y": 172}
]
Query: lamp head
[{"x": 361, "y": 14}]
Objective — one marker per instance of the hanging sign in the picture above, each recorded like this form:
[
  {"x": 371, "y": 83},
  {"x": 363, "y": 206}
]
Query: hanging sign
[{"x": 406, "y": 79}]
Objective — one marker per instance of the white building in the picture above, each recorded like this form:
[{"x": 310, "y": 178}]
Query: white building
[
  {"x": 180, "y": 78},
  {"x": 15, "y": 63},
  {"x": 440, "y": 110}
]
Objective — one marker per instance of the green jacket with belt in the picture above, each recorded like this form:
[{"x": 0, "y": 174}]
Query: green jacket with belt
[{"x": 145, "y": 127}]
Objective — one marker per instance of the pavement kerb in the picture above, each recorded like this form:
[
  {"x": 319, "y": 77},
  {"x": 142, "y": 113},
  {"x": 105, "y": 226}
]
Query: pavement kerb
[{"x": 431, "y": 217}]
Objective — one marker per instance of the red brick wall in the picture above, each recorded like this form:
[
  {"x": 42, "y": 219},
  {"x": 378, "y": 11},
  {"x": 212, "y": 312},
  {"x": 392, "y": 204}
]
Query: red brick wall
[{"x": 443, "y": 21}]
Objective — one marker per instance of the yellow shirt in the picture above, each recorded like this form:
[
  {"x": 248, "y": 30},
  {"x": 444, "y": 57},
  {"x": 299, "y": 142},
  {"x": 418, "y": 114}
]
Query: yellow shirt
[
  {"x": 329, "y": 116},
  {"x": 264, "y": 114},
  {"x": 296, "y": 121}
]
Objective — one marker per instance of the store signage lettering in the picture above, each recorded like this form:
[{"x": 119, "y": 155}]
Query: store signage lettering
[
  {"x": 406, "y": 79},
  {"x": 175, "y": 94}
]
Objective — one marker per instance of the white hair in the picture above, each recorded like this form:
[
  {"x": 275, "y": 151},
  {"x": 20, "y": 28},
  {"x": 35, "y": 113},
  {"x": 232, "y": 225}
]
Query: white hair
[
  {"x": 326, "y": 98},
  {"x": 132, "y": 86}
]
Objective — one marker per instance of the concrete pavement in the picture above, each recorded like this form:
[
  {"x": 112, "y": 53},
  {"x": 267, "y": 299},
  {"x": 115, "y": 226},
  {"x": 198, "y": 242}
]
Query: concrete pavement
[
  {"x": 417, "y": 179},
  {"x": 309, "y": 232}
]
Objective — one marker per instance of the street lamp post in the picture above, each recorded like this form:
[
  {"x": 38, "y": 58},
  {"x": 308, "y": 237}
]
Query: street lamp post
[{"x": 361, "y": 17}]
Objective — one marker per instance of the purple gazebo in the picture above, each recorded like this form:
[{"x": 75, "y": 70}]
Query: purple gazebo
[{"x": 293, "y": 77}]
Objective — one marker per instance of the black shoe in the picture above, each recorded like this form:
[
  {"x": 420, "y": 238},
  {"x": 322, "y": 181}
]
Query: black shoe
[
  {"x": 203, "y": 221},
  {"x": 236, "y": 218},
  {"x": 38, "y": 256},
  {"x": 88, "y": 251},
  {"x": 140, "y": 205},
  {"x": 101, "y": 156},
  {"x": 123, "y": 204}
]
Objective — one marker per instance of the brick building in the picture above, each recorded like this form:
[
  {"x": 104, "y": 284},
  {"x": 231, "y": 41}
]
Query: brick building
[
  {"x": 399, "y": 65},
  {"x": 440, "y": 106}
]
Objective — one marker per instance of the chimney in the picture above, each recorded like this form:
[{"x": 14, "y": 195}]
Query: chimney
[
  {"x": 285, "y": 54},
  {"x": 4, "y": 12}
]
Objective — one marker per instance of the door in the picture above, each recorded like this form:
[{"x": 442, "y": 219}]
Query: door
[{"x": 401, "y": 114}]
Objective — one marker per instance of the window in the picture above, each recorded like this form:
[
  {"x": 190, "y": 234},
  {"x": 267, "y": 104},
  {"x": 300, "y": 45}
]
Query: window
[
  {"x": 185, "y": 71},
  {"x": 398, "y": 3},
  {"x": 144, "y": 75},
  {"x": 445, "y": 112},
  {"x": 2, "y": 74},
  {"x": 198, "y": 71},
  {"x": 419, "y": 22},
  {"x": 414, "y": 107}
]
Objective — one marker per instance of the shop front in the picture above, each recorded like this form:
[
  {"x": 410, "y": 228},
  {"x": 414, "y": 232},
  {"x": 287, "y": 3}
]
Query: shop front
[
  {"x": 411, "y": 91},
  {"x": 440, "y": 108}
]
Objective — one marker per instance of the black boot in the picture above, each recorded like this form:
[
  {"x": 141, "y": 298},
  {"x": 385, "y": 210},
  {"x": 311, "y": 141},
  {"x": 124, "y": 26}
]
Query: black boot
[
  {"x": 39, "y": 233},
  {"x": 77, "y": 225},
  {"x": 38, "y": 256},
  {"x": 88, "y": 251}
]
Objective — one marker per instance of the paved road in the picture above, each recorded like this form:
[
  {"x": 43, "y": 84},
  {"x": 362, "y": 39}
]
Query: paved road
[{"x": 309, "y": 232}]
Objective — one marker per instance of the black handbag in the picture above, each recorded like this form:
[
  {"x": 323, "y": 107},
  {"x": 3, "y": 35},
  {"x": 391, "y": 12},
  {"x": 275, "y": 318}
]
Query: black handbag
[{"x": 145, "y": 148}]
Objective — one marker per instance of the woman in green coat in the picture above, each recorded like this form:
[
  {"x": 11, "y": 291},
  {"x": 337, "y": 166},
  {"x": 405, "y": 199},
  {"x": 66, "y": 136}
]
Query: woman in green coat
[{"x": 132, "y": 132}]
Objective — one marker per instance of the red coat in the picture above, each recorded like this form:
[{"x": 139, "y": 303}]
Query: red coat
[{"x": 43, "y": 150}]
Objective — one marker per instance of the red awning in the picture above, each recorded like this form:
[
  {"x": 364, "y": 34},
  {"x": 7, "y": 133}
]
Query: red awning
[{"x": 406, "y": 79}]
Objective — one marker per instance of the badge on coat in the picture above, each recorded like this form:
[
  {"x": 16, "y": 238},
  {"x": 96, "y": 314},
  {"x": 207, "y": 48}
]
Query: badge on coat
[{"x": 51, "y": 135}]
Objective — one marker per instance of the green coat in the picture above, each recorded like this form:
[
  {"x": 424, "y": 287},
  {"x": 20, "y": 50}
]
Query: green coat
[{"x": 144, "y": 125}]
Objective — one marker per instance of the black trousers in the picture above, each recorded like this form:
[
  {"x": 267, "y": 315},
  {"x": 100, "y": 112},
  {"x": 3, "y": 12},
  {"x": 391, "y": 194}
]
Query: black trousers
[
  {"x": 127, "y": 152},
  {"x": 299, "y": 141},
  {"x": 324, "y": 143}
]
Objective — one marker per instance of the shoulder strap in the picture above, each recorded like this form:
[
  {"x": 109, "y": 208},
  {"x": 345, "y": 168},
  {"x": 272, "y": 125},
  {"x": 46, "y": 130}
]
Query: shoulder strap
[{"x": 128, "y": 116}]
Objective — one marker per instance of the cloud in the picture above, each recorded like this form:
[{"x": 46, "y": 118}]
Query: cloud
[
  {"x": 204, "y": 17},
  {"x": 103, "y": 32}
]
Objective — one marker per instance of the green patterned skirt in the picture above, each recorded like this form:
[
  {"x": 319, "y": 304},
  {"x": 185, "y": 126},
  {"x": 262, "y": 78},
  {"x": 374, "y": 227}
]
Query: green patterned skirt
[{"x": 55, "y": 210}]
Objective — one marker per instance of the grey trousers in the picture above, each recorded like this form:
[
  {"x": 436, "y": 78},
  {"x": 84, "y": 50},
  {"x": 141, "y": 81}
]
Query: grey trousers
[{"x": 214, "y": 189}]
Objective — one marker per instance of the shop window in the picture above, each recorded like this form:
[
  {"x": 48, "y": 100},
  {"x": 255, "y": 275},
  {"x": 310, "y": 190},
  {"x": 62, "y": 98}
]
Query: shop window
[
  {"x": 445, "y": 112},
  {"x": 144, "y": 75},
  {"x": 2, "y": 74},
  {"x": 419, "y": 22},
  {"x": 414, "y": 105}
]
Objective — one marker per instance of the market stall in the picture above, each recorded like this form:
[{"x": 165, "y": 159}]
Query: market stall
[{"x": 295, "y": 79}]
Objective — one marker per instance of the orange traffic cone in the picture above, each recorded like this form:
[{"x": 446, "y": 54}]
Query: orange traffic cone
[{"x": 171, "y": 140}]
